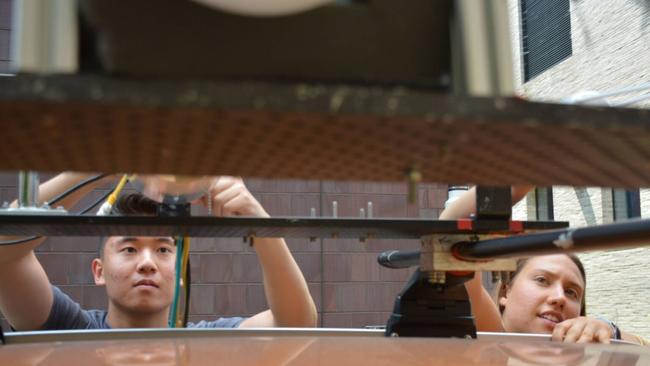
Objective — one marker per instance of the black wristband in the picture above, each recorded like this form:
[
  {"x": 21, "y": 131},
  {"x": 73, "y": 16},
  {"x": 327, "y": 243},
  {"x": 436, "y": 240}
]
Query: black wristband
[{"x": 617, "y": 332}]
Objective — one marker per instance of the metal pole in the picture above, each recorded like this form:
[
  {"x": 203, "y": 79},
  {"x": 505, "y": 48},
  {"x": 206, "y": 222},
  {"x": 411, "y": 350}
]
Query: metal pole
[
  {"x": 44, "y": 36},
  {"x": 481, "y": 49},
  {"x": 27, "y": 189}
]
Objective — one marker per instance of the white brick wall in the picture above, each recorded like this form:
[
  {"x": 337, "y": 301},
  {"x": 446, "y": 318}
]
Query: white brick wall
[{"x": 611, "y": 49}]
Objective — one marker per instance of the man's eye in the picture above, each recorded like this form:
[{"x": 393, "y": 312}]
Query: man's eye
[
  {"x": 128, "y": 250},
  {"x": 165, "y": 250}
]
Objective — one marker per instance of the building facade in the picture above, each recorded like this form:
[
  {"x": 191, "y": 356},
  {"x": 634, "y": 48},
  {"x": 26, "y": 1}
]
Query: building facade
[{"x": 609, "y": 50}]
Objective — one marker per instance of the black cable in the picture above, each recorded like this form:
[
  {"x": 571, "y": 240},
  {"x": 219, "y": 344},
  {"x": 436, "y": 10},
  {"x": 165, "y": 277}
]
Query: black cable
[
  {"x": 75, "y": 188},
  {"x": 188, "y": 277},
  {"x": 61, "y": 196}
]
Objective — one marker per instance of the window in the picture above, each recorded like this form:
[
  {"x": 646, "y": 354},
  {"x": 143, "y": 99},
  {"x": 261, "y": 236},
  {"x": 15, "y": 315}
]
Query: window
[
  {"x": 626, "y": 204},
  {"x": 546, "y": 34},
  {"x": 544, "y": 204}
]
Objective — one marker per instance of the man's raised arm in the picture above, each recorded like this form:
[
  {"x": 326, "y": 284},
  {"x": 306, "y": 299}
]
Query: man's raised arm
[{"x": 25, "y": 291}]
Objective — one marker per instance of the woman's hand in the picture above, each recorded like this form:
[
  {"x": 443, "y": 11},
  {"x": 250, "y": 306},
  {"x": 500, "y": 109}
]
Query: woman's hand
[{"x": 583, "y": 330}]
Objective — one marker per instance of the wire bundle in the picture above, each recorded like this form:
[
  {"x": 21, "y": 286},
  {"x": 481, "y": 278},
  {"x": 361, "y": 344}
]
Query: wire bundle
[{"x": 182, "y": 281}]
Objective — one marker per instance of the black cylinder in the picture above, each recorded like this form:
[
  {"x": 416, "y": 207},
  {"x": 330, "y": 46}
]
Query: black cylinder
[
  {"x": 618, "y": 235},
  {"x": 397, "y": 259}
]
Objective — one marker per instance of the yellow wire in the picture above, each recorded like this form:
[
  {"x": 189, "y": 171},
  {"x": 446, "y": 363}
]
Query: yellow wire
[
  {"x": 116, "y": 192},
  {"x": 184, "y": 260}
]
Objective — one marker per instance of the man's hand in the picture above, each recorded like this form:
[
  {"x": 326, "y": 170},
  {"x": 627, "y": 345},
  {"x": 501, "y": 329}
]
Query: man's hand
[
  {"x": 582, "y": 330},
  {"x": 290, "y": 303},
  {"x": 230, "y": 197}
]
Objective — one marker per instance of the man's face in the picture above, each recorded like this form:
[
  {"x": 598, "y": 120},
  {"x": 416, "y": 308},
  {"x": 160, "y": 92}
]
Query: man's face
[
  {"x": 547, "y": 291},
  {"x": 138, "y": 272}
]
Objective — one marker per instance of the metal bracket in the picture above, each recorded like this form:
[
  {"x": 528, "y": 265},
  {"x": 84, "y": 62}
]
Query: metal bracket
[
  {"x": 425, "y": 308},
  {"x": 493, "y": 203},
  {"x": 28, "y": 185}
]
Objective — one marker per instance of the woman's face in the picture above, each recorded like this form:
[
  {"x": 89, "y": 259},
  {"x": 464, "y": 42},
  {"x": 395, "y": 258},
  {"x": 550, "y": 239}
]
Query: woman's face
[{"x": 547, "y": 291}]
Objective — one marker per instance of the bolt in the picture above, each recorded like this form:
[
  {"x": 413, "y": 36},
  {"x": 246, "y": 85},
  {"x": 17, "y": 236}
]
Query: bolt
[
  {"x": 335, "y": 209},
  {"x": 496, "y": 276},
  {"x": 394, "y": 334},
  {"x": 414, "y": 177},
  {"x": 437, "y": 277}
]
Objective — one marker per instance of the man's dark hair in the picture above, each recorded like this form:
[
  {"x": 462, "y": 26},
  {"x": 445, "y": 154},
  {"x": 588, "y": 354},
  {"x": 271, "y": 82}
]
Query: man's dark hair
[
  {"x": 132, "y": 204},
  {"x": 135, "y": 204}
]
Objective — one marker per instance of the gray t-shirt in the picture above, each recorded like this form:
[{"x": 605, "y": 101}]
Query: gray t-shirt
[{"x": 67, "y": 314}]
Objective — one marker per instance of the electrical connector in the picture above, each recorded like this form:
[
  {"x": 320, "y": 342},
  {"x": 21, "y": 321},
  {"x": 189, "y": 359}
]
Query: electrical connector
[{"x": 107, "y": 206}]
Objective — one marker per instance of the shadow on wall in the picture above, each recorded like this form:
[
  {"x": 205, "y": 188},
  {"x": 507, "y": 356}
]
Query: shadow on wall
[
  {"x": 580, "y": 13},
  {"x": 645, "y": 4}
]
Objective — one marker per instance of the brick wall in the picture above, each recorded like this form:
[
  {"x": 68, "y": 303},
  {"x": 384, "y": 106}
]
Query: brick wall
[
  {"x": 609, "y": 44},
  {"x": 349, "y": 287},
  {"x": 5, "y": 34}
]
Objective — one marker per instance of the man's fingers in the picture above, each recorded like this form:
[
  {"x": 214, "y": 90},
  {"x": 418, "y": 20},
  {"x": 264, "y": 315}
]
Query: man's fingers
[
  {"x": 236, "y": 206},
  {"x": 224, "y": 197},
  {"x": 223, "y": 182}
]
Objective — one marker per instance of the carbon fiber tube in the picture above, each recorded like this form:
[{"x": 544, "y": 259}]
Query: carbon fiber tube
[
  {"x": 631, "y": 233},
  {"x": 397, "y": 259}
]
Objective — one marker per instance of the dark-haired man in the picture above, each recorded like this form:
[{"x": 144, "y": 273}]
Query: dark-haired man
[{"x": 138, "y": 274}]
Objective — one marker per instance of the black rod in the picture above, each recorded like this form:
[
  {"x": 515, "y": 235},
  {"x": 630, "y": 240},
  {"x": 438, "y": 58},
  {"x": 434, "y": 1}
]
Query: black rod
[
  {"x": 399, "y": 259},
  {"x": 619, "y": 235}
]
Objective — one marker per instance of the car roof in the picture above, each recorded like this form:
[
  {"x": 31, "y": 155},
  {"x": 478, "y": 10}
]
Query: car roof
[{"x": 300, "y": 347}]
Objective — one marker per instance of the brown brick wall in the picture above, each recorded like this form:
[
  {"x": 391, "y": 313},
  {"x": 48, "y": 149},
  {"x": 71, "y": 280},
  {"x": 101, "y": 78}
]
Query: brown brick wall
[{"x": 349, "y": 287}]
